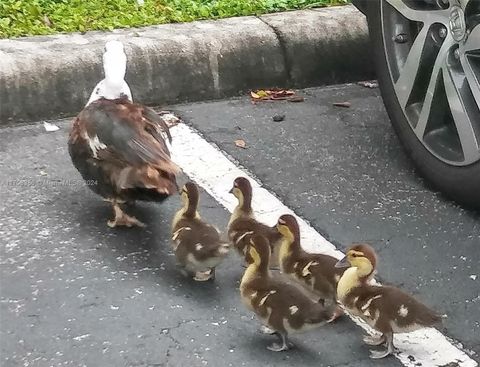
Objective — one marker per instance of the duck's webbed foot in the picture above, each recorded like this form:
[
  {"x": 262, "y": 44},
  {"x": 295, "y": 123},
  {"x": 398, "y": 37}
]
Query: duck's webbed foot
[{"x": 123, "y": 219}]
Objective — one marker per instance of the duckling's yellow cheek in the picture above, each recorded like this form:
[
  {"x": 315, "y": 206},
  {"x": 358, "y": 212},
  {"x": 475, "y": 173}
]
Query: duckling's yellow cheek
[
  {"x": 184, "y": 198},
  {"x": 236, "y": 192},
  {"x": 282, "y": 229},
  {"x": 254, "y": 255}
]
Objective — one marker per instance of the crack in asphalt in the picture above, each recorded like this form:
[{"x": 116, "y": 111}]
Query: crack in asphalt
[{"x": 167, "y": 332}]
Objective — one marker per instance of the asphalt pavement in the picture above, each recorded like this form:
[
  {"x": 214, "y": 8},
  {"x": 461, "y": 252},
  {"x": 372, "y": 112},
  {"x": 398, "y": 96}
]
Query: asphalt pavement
[{"x": 75, "y": 292}]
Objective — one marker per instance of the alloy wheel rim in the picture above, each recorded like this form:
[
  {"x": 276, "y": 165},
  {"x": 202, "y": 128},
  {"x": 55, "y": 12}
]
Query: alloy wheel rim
[{"x": 434, "y": 64}]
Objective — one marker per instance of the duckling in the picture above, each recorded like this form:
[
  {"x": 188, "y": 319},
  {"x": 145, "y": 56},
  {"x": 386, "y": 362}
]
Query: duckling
[
  {"x": 243, "y": 223},
  {"x": 386, "y": 309},
  {"x": 280, "y": 306},
  {"x": 197, "y": 244},
  {"x": 316, "y": 272}
]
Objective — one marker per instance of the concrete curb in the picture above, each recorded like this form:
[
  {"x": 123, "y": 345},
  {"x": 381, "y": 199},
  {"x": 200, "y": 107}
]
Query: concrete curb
[{"x": 46, "y": 77}]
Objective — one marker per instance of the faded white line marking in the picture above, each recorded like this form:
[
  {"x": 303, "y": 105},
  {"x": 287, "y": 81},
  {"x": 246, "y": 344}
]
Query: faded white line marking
[{"x": 205, "y": 164}]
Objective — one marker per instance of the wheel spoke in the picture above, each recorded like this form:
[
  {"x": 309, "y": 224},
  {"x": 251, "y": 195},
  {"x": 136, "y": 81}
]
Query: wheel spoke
[
  {"x": 406, "y": 80},
  {"x": 473, "y": 41},
  {"x": 462, "y": 121},
  {"x": 472, "y": 78},
  {"x": 464, "y": 3},
  {"x": 427, "y": 104},
  {"x": 425, "y": 16}
]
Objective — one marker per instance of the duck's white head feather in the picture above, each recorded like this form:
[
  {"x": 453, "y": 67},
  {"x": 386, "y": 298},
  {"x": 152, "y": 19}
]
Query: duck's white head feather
[{"x": 114, "y": 66}]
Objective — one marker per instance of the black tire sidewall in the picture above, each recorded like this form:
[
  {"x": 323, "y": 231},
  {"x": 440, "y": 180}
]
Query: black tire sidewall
[{"x": 461, "y": 183}]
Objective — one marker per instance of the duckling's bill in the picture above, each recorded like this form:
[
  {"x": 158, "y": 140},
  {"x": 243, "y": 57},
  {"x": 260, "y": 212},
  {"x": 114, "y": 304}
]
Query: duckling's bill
[{"x": 343, "y": 263}]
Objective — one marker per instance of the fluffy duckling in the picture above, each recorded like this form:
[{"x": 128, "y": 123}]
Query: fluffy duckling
[
  {"x": 243, "y": 223},
  {"x": 386, "y": 309},
  {"x": 316, "y": 272},
  {"x": 197, "y": 245},
  {"x": 280, "y": 306}
]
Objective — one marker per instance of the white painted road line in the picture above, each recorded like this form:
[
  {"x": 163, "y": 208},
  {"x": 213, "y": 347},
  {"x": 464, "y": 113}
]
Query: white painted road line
[{"x": 205, "y": 164}]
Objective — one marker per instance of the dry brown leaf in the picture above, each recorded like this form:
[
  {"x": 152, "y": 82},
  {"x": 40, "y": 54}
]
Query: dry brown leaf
[
  {"x": 275, "y": 94},
  {"x": 241, "y": 143},
  {"x": 254, "y": 95},
  {"x": 262, "y": 93},
  {"x": 169, "y": 118},
  {"x": 282, "y": 92},
  {"x": 296, "y": 99},
  {"x": 342, "y": 104}
]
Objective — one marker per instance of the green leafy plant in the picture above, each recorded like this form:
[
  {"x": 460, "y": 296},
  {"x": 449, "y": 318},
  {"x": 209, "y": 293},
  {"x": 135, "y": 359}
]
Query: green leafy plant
[{"x": 38, "y": 17}]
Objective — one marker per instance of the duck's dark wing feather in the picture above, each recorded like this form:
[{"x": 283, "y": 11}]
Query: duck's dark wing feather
[
  {"x": 122, "y": 146},
  {"x": 132, "y": 132}
]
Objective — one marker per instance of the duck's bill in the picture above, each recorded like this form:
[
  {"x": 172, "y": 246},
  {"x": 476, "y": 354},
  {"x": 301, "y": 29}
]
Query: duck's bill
[
  {"x": 231, "y": 191},
  {"x": 343, "y": 263}
]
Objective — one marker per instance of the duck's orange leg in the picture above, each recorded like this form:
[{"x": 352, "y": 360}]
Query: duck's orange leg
[{"x": 122, "y": 219}]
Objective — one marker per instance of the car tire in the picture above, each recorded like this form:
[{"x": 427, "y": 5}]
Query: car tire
[{"x": 461, "y": 183}]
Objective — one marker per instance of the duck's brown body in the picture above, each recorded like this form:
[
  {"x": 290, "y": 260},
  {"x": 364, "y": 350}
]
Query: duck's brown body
[
  {"x": 280, "y": 306},
  {"x": 197, "y": 245},
  {"x": 243, "y": 224},
  {"x": 386, "y": 309},
  {"x": 120, "y": 150}
]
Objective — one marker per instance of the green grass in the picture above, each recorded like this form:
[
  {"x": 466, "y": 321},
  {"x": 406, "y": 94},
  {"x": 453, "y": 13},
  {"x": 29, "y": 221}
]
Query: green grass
[{"x": 40, "y": 17}]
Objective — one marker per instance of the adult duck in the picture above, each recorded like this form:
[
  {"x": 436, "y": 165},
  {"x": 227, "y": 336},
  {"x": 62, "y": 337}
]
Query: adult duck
[{"x": 118, "y": 146}]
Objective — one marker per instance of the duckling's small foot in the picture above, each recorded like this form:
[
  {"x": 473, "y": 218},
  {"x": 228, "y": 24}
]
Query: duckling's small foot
[
  {"x": 275, "y": 347},
  {"x": 203, "y": 276},
  {"x": 266, "y": 330},
  {"x": 374, "y": 354},
  {"x": 373, "y": 339},
  {"x": 285, "y": 344},
  {"x": 122, "y": 219},
  {"x": 378, "y": 354},
  {"x": 336, "y": 314}
]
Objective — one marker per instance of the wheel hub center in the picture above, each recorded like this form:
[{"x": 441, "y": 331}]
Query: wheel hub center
[{"x": 457, "y": 24}]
